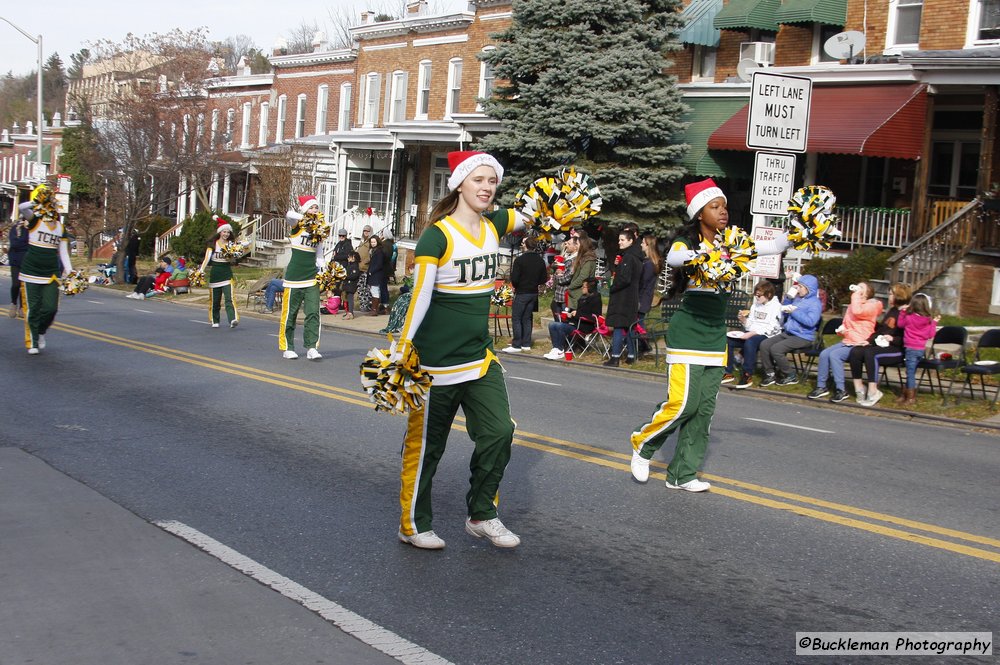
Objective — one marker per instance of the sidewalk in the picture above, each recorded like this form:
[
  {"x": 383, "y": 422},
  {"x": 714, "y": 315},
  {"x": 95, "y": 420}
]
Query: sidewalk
[{"x": 86, "y": 582}]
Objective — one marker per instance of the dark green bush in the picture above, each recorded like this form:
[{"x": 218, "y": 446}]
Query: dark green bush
[
  {"x": 155, "y": 227},
  {"x": 190, "y": 243},
  {"x": 837, "y": 274}
]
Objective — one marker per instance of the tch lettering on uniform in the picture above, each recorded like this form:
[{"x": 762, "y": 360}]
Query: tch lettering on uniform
[{"x": 477, "y": 268}]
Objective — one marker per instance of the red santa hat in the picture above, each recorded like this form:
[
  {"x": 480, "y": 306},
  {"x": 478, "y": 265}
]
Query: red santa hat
[
  {"x": 699, "y": 193},
  {"x": 306, "y": 202},
  {"x": 464, "y": 162},
  {"x": 221, "y": 224}
]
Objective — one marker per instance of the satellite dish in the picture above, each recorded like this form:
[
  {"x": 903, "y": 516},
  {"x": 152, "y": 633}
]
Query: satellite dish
[
  {"x": 845, "y": 45},
  {"x": 745, "y": 68}
]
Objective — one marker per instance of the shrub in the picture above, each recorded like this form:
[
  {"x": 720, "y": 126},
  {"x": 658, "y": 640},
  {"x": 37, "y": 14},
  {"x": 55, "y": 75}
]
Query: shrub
[
  {"x": 190, "y": 243},
  {"x": 156, "y": 226},
  {"x": 837, "y": 274}
]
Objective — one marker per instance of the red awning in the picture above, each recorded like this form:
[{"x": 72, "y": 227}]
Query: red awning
[{"x": 870, "y": 120}]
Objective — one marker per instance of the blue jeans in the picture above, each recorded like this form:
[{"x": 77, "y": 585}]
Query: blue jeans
[
  {"x": 618, "y": 340},
  {"x": 559, "y": 334},
  {"x": 522, "y": 313},
  {"x": 832, "y": 358},
  {"x": 271, "y": 292},
  {"x": 750, "y": 347},
  {"x": 913, "y": 356}
]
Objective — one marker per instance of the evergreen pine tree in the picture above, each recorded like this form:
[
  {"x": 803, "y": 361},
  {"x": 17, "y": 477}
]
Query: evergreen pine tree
[{"x": 584, "y": 83}]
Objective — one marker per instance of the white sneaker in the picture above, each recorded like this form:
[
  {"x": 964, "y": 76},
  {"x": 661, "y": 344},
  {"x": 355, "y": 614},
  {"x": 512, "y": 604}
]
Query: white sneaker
[
  {"x": 526, "y": 348},
  {"x": 871, "y": 400},
  {"x": 493, "y": 529},
  {"x": 215, "y": 325},
  {"x": 554, "y": 354},
  {"x": 234, "y": 323},
  {"x": 289, "y": 355},
  {"x": 691, "y": 486},
  {"x": 41, "y": 341},
  {"x": 511, "y": 349},
  {"x": 425, "y": 540},
  {"x": 640, "y": 467},
  {"x": 32, "y": 351},
  {"x": 313, "y": 354},
  {"x": 12, "y": 312}
]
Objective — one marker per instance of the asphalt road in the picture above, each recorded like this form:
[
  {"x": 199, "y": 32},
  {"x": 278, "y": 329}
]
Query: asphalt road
[{"x": 820, "y": 518}]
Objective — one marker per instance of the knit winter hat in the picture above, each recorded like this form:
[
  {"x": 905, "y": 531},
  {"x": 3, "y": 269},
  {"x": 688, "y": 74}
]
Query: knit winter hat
[
  {"x": 306, "y": 202},
  {"x": 699, "y": 193},
  {"x": 464, "y": 162},
  {"x": 221, "y": 224}
]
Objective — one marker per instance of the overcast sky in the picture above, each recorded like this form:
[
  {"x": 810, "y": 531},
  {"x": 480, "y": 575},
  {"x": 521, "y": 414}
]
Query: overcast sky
[{"x": 66, "y": 26}]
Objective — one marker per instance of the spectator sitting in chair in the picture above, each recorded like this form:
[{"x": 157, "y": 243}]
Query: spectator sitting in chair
[
  {"x": 150, "y": 284},
  {"x": 179, "y": 281},
  {"x": 803, "y": 313},
  {"x": 582, "y": 319},
  {"x": 761, "y": 321},
  {"x": 271, "y": 293}
]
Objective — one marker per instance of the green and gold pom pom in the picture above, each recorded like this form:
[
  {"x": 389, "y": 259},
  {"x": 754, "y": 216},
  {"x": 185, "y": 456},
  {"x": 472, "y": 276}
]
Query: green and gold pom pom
[
  {"x": 393, "y": 378},
  {"x": 331, "y": 277},
  {"x": 233, "y": 251},
  {"x": 502, "y": 295},
  {"x": 810, "y": 212},
  {"x": 314, "y": 225},
  {"x": 725, "y": 259},
  {"x": 74, "y": 282},
  {"x": 558, "y": 203},
  {"x": 197, "y": 278},
  {"x": 43, "y": 203}
]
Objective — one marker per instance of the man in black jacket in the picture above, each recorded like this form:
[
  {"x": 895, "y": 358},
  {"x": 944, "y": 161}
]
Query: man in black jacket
[{"x": 526, "y": 274}]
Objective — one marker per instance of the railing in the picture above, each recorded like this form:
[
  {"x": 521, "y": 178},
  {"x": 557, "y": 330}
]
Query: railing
[
  {"x": 162, "y": 244},
  {"x": 874, "y": 227},
  {"x": 941, "y": 248}
]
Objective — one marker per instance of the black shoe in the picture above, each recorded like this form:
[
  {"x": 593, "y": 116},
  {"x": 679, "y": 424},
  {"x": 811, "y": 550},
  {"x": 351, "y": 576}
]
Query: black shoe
[
  {"x": 768, "y": 380},
  {"x": 818, "y": 392},
  {"x": 838, "y": 396},
  {"x": 611, "y": 362},
  {"x": 789, "y": 380},
  {"x": 744, "y": 381}
]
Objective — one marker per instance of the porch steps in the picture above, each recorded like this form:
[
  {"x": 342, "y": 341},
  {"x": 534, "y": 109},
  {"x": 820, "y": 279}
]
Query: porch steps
[{"x": 266, "y": 253}]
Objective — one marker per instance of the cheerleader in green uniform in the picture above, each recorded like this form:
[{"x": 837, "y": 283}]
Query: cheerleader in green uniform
[
  {"x": 46, "y": 261},
  {"x": 696, "y": 347},
  {"x": 220, "y": 279},
  {"x": 301, "y": 290}
]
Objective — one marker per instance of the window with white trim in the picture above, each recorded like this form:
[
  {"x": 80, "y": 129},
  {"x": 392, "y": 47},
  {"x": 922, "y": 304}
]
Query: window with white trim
[
  {"x": 821, "y": 34},
  {"x": 265, "y": 109},
  {"x": 903, "y": 29},
  {"x": 984, "y": 23},
  {"x": 344, "y": 121},
  {"x": 373, "y": 87},
  {"x": 245, "y": 129},
  {"x": 397, "y": 111},
  {"x": 703, "y": 63},
  {"x": 454, "y": 87},
  {"x": 230, "y": 121},
  {"x": 199, "y": 132},
  {"x": 486, "y": 79},
  {"x": 300, "y": 117},
  {"x": 423, "y": 89},
  {"x": 322, "y": 103},
  {"x": 215, "y": 128},
  {"x": 326, "y": 194},
  {"x": 367, "y": 189},
  {"x": 279, "y": 130}
]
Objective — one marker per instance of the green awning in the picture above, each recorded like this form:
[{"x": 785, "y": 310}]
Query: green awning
[
  {"x": 828, "y": 12},
  {"x": 744, "y": 14},
  {"x": 707, "y": 114},
  {"x": 698, "y": 28}
]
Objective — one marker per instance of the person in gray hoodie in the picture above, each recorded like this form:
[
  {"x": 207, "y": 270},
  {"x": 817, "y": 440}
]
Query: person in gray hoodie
[{"x": 803, "y": 310}]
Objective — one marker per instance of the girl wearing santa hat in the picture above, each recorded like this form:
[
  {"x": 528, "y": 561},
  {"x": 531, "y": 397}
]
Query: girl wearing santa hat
[
  {"x": 220, "y": 278},
  {"x": 696, "y": 347},
  {"x": 301, "y": 290},
  {"x": 455, "y": 266}
]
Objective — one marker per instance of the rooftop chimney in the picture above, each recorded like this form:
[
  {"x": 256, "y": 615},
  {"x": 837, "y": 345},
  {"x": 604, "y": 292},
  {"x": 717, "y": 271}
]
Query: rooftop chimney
[
  {"x": 319, "y": 41},
  {"x": 416, "y": 8},
  {"x": 367, "y": 17}
]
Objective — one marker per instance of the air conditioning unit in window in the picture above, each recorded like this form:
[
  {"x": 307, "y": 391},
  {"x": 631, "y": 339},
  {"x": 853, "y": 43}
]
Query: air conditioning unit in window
[{"x": 760, "y": 52}]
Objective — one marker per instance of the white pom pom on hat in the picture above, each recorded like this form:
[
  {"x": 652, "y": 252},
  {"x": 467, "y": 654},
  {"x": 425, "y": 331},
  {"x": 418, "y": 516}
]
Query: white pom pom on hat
[
  {"x": 698, "y": 194},
  {"x": 464, "y": 162}
]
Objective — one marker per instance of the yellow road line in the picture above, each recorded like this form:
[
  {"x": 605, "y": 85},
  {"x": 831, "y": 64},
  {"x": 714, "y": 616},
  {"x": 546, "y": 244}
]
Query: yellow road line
[{"x": 599, "y": 457}]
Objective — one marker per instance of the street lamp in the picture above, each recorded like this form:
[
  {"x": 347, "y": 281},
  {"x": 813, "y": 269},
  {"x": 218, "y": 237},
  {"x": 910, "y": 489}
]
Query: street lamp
[{"x": 40, "y": 166}]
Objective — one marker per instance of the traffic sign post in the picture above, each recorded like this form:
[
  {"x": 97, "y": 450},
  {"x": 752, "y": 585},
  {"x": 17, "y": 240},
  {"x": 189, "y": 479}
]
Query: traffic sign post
[
  {"x": 773, "y": 180},
  {"x": 779, "y": 112}
]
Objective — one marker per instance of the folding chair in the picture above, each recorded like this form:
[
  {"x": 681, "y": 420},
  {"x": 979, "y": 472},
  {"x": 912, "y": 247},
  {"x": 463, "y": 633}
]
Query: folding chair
[
  {"x": 957, "y": 335},
  {"x": 598, "y": 339},
  {"x": 501, "y": 318},
  {"x": 981, "y": 367},
  {"x": 804, "y": 359}
]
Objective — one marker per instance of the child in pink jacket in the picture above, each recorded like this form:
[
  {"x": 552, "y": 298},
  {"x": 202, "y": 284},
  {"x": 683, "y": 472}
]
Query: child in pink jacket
[
  {"x": 919, "y": 327},
  {"x": 859, "y": 325}
]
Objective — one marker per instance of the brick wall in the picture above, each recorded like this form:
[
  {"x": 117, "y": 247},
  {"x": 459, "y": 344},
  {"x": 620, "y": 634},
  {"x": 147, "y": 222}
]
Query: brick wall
[
  {"x": 942, "y": 24},
  {"x": 793, "y": 45},
  {"x": 977, "y": 289}
]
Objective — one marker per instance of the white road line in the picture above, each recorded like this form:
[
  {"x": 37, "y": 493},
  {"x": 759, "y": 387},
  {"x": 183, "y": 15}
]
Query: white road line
[
  {"x": 544, "y": 383},
  {"x": 96, "y": 302},
  {"x": 772, "y": 422},
  {"x": 357, "y": 626},
  {"x": 204, "y": 323},
  {"x": 146, "y": 311}
]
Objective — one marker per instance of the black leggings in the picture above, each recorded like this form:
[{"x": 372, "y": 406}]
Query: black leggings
[
  {"x": 872, "y": 356},
  {"x": 15, "y": 284},
  {"x": 145, "y": 284}
]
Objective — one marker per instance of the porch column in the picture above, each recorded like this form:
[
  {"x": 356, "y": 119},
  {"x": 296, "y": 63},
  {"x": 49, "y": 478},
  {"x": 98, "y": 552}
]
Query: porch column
[
  {"x": 809, "y": 175},
  {"x": 226, "y": 184},
  {"x": 987, "y": 148},
  {"x": 181, "y": 198},
  {"x": 919, "y": 224},
  {"x": 193, "y": 195},
  {"x": 214, "y": 196},
  {"x": 152, "y": 194}
]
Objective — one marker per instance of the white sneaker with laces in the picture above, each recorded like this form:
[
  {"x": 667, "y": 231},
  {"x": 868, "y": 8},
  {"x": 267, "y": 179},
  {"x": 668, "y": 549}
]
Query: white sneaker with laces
[
  {"x": 32, "y": 351},
  {"x": 493, "y": 529},
  {"x": 289, "y": 355},
  {"x": 691, "y": 486},
  {"x": 554, "y": 354},
  {"x": 215, "y": 325},
  {"x": 640, "y": 467},
  {"x": 41, "y": 341},
  {"x": 425, "y": 540},
  {"x": 313, "y": 354},
  {"x": 871, "y": 400},
  {"x": 511, "y": 349}
]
